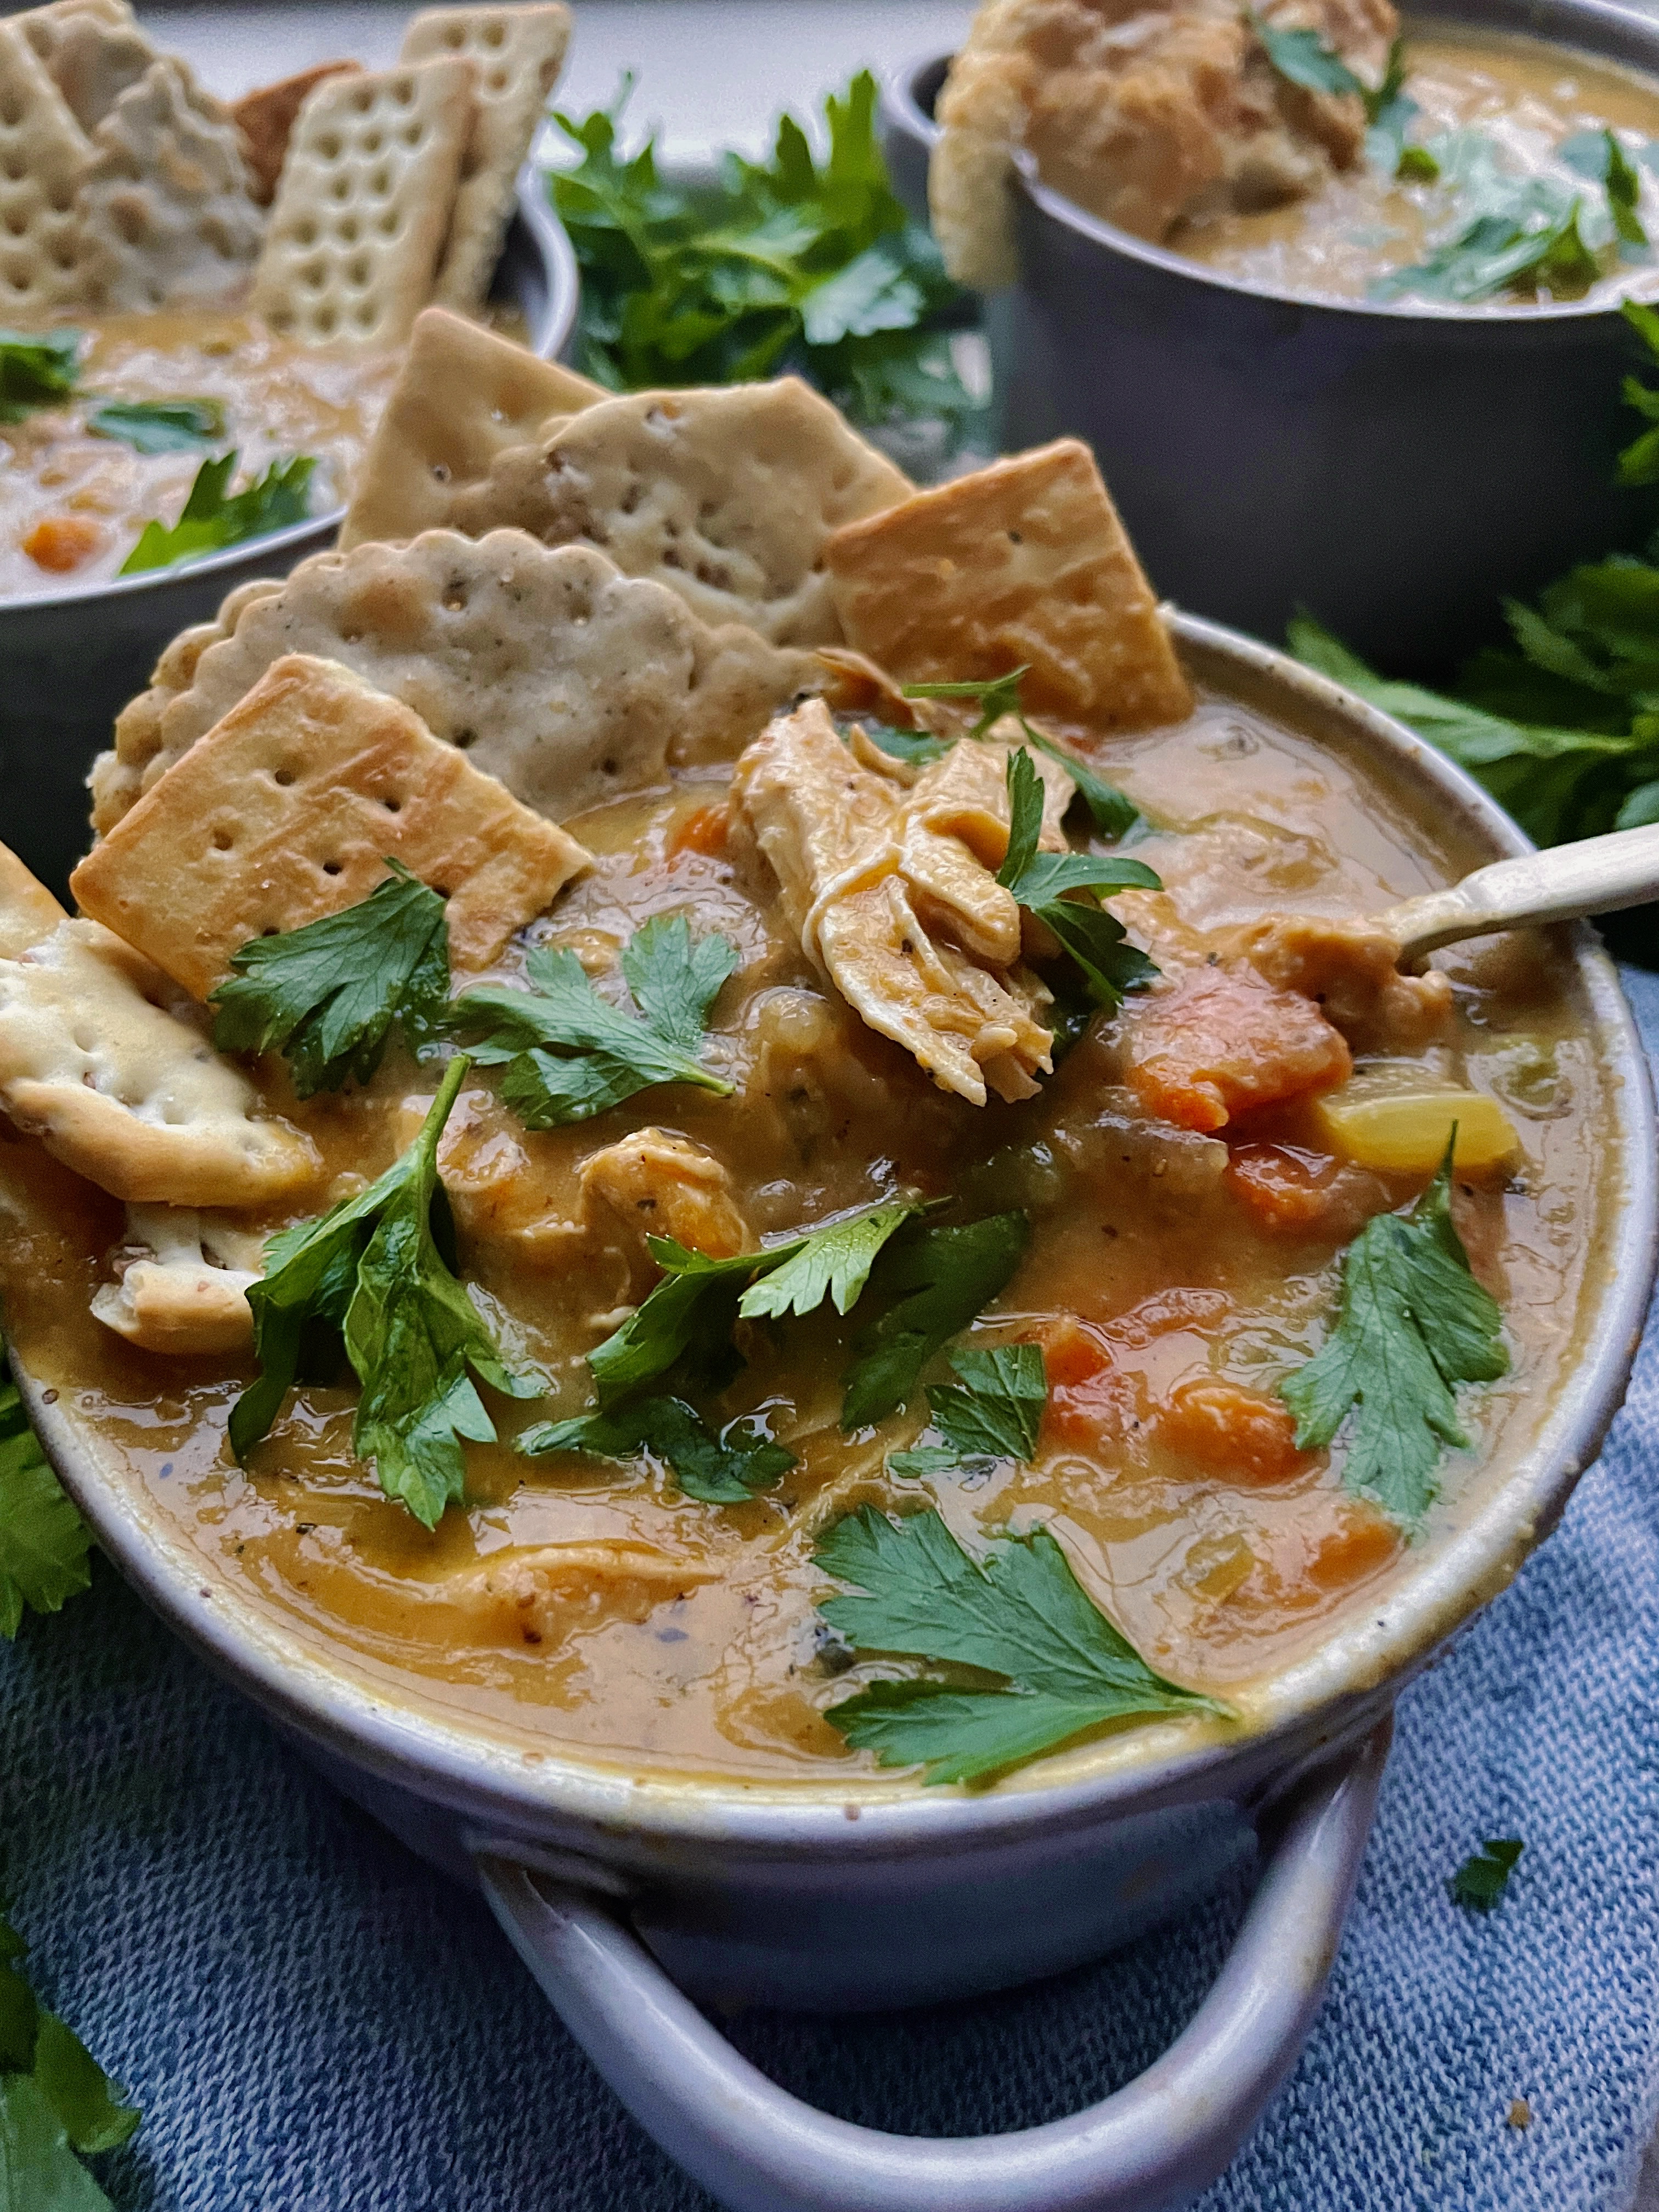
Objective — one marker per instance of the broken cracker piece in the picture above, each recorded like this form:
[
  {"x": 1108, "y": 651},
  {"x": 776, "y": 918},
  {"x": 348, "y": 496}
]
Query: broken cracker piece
[
  {"x": 464, "y": 395},
  {"x": 43, "y": 154},
  {"x": 125, "y": 1093},
  {"x": 571, "y": 682},
  {"x": 28, "y": 912},
  {"x": 289, "y": 809},
  {"x": 1023, "y": 563},
  {"x": 364, "y": 203},
  {"x": 265, "y": 119},
  {"x": 727, "y": 495},
  {"x": 517, "y": 53},
  {"x": 164, "y": 205},
  {"x": 182, "y": 1284}
]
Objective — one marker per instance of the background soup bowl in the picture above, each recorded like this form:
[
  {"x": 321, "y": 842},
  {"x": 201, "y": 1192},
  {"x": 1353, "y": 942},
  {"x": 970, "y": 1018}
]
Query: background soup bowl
[
  {"x": 1393, "y": 468},
  {"x": 72, "y": 659},
  {"x": 862, "y": 1890}
]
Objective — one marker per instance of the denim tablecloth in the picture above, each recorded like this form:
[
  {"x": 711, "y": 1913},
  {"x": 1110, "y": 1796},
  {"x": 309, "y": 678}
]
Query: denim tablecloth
[{"x": 313, "y": 2023}]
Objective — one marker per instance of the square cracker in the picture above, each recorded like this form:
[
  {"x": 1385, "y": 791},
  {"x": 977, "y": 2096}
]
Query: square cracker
[
  {"x": 43, "y": 154},
  {"x": 183, "y": 230},
  {"x": 266, "y": 118},
  {"x": 463, "y": 396},
  {"x": 726, "y": 495},
  {"x": 44, "y": 27},
  {"x": 518, "y": 52},
  {"x": 288, "y": 808},
  {"x": 1024, "y": 562},
  {"x": 364, "y": 203}
]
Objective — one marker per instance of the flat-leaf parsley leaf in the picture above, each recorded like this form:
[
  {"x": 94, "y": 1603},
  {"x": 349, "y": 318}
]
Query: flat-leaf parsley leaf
[
  {"x": 38, "y": 368},
  {"x": 1113, "y": 812},
  {"x": 1020, "y": 1615},
  {"x": 994, "y": 1410},
  {"x": 1042, "y": 884},
  {"x": 726, "y": 1470},
  {"x": 214, "y": 517},
  {"x": 159, "y": 426},
  {"x": 44, "y": 1542},
  {"x": 930, "y": 1283},
  {"x": 55, "y": 2099}
]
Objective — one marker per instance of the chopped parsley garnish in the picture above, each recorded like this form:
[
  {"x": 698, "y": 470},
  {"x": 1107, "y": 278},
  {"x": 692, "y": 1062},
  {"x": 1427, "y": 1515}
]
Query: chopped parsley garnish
[
  {"x": 159, "y": 426},
  {"x": 375, "y": 1275},
  {"x": 1042, "y": 884},
  {"x": 38, "y": 368},
  {"x": 1115, "y": 815},
  {"x": 55, "y": 2099},
  {"x": 691, "y": 1313},
  {"x": 44, "y": 1542},
  {"x": 1019, "y": 1615},
  {"x": 930, "y": 1283},
  {"x": 1414, "y": 1324},
  {"x": 914, "y": 747},
  {"x": 724, "y": 1470},
  {"x": 994, "y": 1410},
  {"x": 215, "y": 517},
  {"x": 1484, "y": 1876},
  {"x": 326, "y": 996},
  {"x": 1536, "y": 236},
  {"x": 792, "y": 264},
  {"x": 1598, "y": 156},
  {"x": 571, "y": 1053}
]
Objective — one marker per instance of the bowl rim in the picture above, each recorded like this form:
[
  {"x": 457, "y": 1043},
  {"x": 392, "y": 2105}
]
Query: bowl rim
[
  {"x": 428, "y": 1746},
  {"x": 535, "y": 216},
  {"x": 1608, "y": 17}
]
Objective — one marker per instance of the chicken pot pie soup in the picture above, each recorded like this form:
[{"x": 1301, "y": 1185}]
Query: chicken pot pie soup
[
  {"x": 200, "y": 304},
  {"x": 914, "y": 1224}
]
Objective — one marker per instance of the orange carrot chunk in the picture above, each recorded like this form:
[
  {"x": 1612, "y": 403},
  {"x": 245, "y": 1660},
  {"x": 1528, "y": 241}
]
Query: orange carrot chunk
[
  {"x": 1240, "y": 1432},
  {"x": 1219, "y": 1041},
  {"x": 63, "y": 542},
  {"x": 704, "y": 830}
]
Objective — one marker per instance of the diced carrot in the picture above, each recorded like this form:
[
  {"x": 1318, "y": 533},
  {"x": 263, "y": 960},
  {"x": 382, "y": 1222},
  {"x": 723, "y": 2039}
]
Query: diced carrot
[
  {"x": 704, "y": 830},
  {"x": 63, "y": 542},
  {"x": 1366, "y": 1541},
  {"x": 1219, "y": 1041},
  {"x": 1241, "y": 1433},
  {"x": 1072, "y": 1352}
]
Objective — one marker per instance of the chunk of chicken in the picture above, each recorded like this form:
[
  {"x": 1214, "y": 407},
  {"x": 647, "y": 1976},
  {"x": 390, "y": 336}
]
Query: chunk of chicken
[
  {"x": 1349, "y": 968},
  {"x": 181, "y": 1281},
  {"x": 542, "y": 1594},
  {"x": 656, "y": 1184}
]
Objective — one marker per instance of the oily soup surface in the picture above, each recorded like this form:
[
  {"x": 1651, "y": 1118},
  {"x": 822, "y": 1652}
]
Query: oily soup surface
[
  {"x": 1523, "y": 94},
  {"x": 685, "y": 1635},
  {"x": 279, "y": 399}
]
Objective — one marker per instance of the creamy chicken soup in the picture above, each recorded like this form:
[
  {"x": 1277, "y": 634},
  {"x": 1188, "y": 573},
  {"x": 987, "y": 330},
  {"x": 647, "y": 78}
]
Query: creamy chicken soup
[
  {"x": 1492, "y": 112},
  {"x": 74, "y": 497},
  {"x": 1188, "y": 1189}
]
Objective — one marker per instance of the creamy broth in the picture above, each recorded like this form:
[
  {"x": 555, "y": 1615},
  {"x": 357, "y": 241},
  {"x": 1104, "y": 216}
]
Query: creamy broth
[
  {"x": 72, "y": 504},
  {"x": 1525, "y": 96},
  {"x": 684, "y": 1637}
]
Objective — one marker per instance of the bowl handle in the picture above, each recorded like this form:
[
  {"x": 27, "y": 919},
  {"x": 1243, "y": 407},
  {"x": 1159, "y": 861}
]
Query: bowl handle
[{"x": 1155, "y": 2144}]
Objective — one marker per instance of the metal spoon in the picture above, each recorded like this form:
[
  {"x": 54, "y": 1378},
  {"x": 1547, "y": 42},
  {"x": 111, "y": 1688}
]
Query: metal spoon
[{"x": 1569, "y": 883}]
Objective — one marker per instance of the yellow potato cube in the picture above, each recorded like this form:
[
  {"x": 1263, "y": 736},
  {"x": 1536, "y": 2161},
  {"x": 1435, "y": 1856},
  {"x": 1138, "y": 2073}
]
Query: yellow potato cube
[{"x": 1405, "y": 1132}]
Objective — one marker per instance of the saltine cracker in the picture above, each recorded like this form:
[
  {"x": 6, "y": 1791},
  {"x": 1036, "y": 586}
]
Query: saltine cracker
[
  {"x": 266, "y": 118},
  {"x": 43, "y": 154}
]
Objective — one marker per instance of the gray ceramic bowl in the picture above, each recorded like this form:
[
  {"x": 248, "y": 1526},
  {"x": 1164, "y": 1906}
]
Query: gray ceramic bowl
[
  {"x": 73, "y": 659},
  {"x": 861, "y": 1891},
  {"x": 1393, "y": 468}
]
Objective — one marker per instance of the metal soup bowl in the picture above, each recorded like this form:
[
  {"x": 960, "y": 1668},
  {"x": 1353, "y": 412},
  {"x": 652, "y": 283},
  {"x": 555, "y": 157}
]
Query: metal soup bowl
[
  {"x": 1394, "y": 467},
  {"x": 624, "y": 1885},
  {"x": 73, "y": 659}
]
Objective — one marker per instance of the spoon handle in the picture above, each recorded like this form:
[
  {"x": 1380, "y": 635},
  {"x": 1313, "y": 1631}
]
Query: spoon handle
[{"x": 1594, "y": 876}]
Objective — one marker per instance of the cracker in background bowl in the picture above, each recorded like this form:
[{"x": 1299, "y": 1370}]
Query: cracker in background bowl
[
  {"x": 266, "y": 118},
  {"x": 43, "y": 153}
]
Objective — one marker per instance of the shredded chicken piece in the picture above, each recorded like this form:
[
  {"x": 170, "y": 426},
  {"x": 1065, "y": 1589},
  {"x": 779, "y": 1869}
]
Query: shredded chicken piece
[
  {"x": 1349, "y": 968},
  {"x": 893, "y": 894},
  {"x": 541, "y": 1594},
  {"x": 656, "y": 1184}
]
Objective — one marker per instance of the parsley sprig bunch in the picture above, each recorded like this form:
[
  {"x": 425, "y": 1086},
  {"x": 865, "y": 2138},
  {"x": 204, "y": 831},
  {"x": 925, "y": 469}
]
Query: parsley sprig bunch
[
  {"x": 55, "y": 2101},
  {"x": 214, "y": 517}
]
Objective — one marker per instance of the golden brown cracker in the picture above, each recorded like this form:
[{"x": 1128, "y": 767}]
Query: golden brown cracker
[
  {"x": 266, "y": 116},
  {"x": 1023, "y": 563}
]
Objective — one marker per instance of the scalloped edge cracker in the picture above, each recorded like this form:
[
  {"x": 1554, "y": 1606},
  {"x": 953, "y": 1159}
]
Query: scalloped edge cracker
[
  {"x": 164, "y": 207},
  {"x": 43, "y": 156},
  {"x": 288, "y": 810},
  {"x": 267, "y": 116},
  {"x": 570, "y": 682},
  {"x": 728, "y": 495},
  {"x": 364, "y": 203},
  {"x": 44, "y": 27},
  {"x": 517, "y": 52},
  {"x": 464, "y": 395},
  {"x": 1023, "y": 563}
]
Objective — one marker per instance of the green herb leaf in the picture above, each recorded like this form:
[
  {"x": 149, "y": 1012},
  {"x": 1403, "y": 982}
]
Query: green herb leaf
[
  {"x": 1598, "y": 156},
  {"x": 1115, "y": 815},
  {"x": 1303, "y": 58},
  {"x": 38, "y": 368},
  {"x": 1515, "y": 230},
  {"x": 726, "y": 1470},
  {"x": 691, "y": 1314},
  {"x": 44, "y": 1542},
  {"x": 55, "y": 2099},
  {"x": 1484, "y": 1876},
  {"x": 1044, "y": 882},
  {"x": 914, "y": 747},
  {"x": 1413, "y": 1324},
  {"x": 790, "y": 264},
  {"x": 375, "y": 1273},
  {"x": 994, "y": 1408},
  {"x": 574, "y": 1052},
  {"x": 1020, "y": 1615},
  {"x": 159, "y": 426},
  {"x": 1417, "y": 165},
  {"x": 326, "y": 996},
  {"x": 214, "y": 517},
  {"x": 931, "y": 1282}
]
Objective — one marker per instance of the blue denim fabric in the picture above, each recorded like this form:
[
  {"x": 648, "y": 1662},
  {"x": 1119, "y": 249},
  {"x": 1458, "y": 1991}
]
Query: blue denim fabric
[{"x": 313, "y": 2023}]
